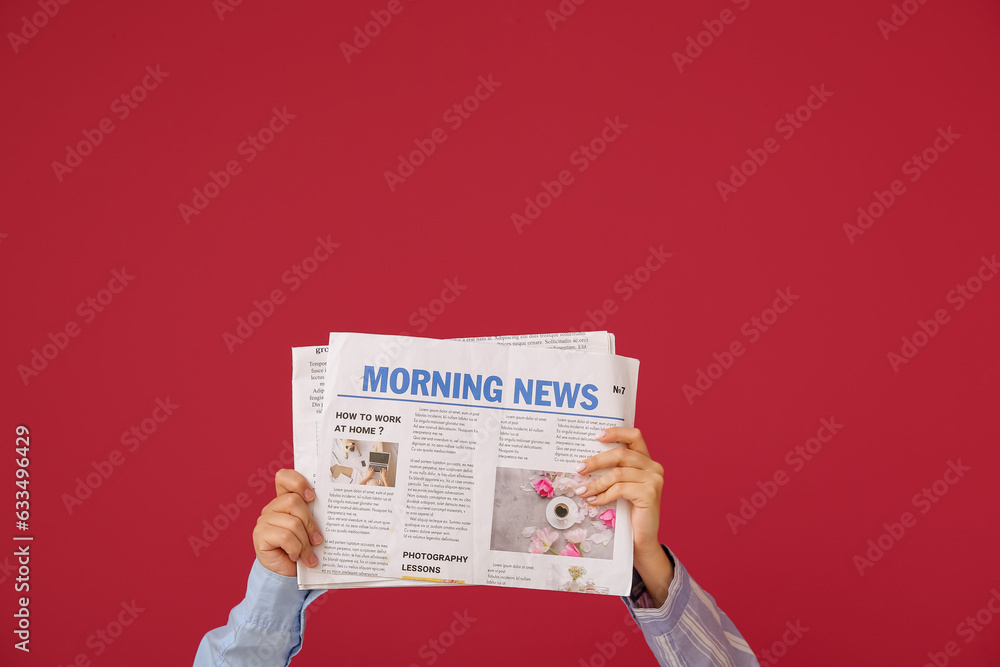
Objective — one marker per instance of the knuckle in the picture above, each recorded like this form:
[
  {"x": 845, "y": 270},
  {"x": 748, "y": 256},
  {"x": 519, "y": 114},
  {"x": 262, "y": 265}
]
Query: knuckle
[
  {"x": 286, "y": 521},
  {"x": 292, "y": 523}
]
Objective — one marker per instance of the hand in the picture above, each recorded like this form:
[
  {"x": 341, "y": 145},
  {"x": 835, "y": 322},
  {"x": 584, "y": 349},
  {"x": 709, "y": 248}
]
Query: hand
[
  {"x": 286, "y": 530},
  {"x": 634, "y": 476},
  {"x": 368, "y": 475}
]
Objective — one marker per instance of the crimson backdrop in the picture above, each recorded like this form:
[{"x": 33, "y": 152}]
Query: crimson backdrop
[{"x": 873, "y": 84}]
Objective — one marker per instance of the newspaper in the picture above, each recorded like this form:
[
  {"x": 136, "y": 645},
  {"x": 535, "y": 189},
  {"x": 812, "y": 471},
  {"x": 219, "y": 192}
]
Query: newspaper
[
  {"x": 452, "y": 462},
  {"x": 308, "y": 374}
]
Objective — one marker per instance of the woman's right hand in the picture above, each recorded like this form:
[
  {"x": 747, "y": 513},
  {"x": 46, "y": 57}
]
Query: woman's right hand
[{"x": 286, "y": 530}]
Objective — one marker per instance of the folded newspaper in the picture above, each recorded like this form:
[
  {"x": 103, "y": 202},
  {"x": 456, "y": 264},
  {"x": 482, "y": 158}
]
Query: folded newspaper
[{"x": 444, "y": 462}]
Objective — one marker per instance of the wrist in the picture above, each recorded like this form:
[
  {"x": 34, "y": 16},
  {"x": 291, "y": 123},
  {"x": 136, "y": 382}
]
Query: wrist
[
  {"x": 651, "y": 558},
  {"x": 647, "y": 550},
  {"x": 647, "y": 546},
  {"x": 655, "y": 569}
]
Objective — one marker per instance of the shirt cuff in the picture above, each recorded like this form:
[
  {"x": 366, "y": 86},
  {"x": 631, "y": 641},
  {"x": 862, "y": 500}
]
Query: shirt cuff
[
  {"x": 640, "y": 602},
  {"x": 274, "y": 600}
]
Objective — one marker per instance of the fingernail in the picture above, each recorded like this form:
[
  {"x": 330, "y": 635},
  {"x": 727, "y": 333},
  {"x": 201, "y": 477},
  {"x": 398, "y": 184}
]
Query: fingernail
[
  {"x": 601, "y": 434},
  {"x": 309, "y": 494},
  {"x": 591, "y": 499},
  {"x": 581, "y": 490},
  {"x": 316, "y": 538},
  {"x": 313, "y": 560},
  {"x": 580, "y": 467}
]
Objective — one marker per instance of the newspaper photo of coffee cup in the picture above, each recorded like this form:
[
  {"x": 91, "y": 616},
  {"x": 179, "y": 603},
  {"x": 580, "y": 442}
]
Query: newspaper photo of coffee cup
[{"x": 538, "y": 512}]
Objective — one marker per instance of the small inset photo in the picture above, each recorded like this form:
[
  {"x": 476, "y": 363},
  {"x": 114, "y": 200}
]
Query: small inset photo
[
  {"x": 538, "y": 512},
  {"x": 364, "y": 462}
]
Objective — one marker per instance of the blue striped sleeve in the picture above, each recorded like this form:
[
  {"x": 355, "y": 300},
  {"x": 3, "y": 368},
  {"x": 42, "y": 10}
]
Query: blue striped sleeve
[{"x": 689, "y": 630}]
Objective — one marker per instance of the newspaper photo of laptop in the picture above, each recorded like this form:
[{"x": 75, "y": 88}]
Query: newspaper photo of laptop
[
  {"x": 364, "y": 463},
  {"x": 378, "y": 461}
]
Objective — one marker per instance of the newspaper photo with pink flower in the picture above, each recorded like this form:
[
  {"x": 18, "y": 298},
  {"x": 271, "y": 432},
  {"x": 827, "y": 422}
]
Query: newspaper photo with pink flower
[{"x": 453, "y": 462}]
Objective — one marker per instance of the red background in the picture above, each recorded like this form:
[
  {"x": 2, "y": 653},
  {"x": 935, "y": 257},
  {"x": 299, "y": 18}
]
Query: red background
[{"x": 656, "y": 185}]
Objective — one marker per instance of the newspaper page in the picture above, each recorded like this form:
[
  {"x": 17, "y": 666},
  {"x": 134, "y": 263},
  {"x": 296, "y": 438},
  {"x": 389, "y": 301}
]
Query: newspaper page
[
  {"x": 470, "y": 466},
  {"x": 308, "y": 372}
]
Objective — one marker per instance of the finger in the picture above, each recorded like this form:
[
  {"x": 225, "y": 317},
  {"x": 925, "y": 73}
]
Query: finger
[
  {"x": 292, "y": 504},
  {"x": 619, "y": 457},
  {"x": 269, "y": 538},
  {"x": 641, "y": 494},
  {"x": 616, "y": 476},
  {"x": 294, "y": 527},
  {"x": 630, "y": 437},
  {"x": 287, "y": 480}
]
